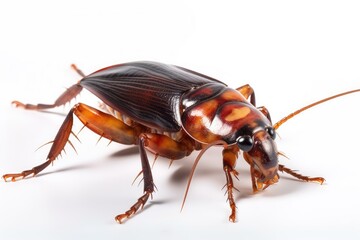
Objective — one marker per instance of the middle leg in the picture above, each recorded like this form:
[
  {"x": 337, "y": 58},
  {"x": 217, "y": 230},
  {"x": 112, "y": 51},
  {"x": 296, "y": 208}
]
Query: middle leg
[
  {"x": 64, "y": 98},
  {"x": 160, "y": 145},
  {"x": 248, "y": 92},
  {"x": 148, "y": 183}
]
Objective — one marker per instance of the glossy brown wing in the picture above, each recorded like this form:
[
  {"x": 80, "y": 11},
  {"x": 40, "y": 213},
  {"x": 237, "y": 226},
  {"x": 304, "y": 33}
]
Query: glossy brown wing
[{"x": 147, "y": 92}]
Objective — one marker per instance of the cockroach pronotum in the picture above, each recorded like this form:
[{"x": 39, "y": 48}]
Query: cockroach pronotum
[{"x": 172, "y": 111}]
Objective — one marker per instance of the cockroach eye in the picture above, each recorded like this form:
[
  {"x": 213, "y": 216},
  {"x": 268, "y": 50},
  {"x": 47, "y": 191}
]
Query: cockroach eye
[
  {"x": 271, "y": 132},
  {"x": 245, "y": 143}
]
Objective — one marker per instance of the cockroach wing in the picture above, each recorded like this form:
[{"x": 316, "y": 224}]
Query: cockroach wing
[{"x": 147, "y": 92}]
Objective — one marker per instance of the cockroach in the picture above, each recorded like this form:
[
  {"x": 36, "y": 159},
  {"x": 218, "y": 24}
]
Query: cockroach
[{"x": 172, "y": 111}]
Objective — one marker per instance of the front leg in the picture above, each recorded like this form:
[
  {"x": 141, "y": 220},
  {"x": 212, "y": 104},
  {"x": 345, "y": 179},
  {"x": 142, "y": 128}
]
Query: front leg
[
  {"x": 247, "y": 91},
  {"x": 229, "y": 161},
  {"x": 265, "y": 111},
  {"x": 282, "y": 168}
]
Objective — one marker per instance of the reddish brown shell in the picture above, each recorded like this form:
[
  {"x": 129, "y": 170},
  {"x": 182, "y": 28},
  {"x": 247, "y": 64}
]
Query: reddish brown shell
[
  {"x": 148, "y": 92},
  {"x": 215, "y": 112}
]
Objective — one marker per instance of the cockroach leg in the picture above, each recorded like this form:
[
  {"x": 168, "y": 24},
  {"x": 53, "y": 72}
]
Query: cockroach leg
[
  {"x": 114, "y": 129},
  {"x": 160, "y": 145},
  {"x": 148, "y": 182},
  {"x": 229, "y": 162},
  {"x": 62, "y": 137},
  {"x": 34, "y": 171},
  {"x": 230, "y": 186},
  {"x": 247, "y": 91},
  {"x": 77, "y": 70},
  {"x": 265, "y": 111},
  {"x": 134, "y": 208},
  {"x": 319, "y": 180},
  {"x": 64, "y": 98},
  {"x": 106, "y": 125},
  {"x": 92, "y": 118}
]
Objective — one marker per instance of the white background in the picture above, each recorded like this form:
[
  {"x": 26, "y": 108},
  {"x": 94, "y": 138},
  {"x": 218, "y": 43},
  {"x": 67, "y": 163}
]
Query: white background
[{"x": 291, "y": 52}]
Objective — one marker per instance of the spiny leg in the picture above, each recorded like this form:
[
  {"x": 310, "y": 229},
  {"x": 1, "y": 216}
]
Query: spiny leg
[
  {"x": 148, "y": 182},
  {"x": 106, "y": 126},
  {"x": 282, "y": 168},
  {"x": 101, "y": 123},
  {"x": 62, "y": 137},
  {"x": 112, "y": 128},
  {"x": 118, "y": 131},
  {"x": 229, "y": 160},
  {"x": 64, "y": 98},
  {"x": 160, "y": 145},
  {"x": 77, "y": 70}
]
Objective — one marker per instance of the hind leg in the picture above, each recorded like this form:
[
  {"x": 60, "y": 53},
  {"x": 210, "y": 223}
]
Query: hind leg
[
  {"x": 106, "y": 126},
  {"x": 76, "y": 69},
  {"x": 109, "y": 127},
  {"x": 101, "y": 123},
  {"x": 64, "y": 98}
]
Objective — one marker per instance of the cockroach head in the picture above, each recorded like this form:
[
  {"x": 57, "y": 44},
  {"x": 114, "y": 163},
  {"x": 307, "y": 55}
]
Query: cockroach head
[{"x": 260, "y": 148}]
